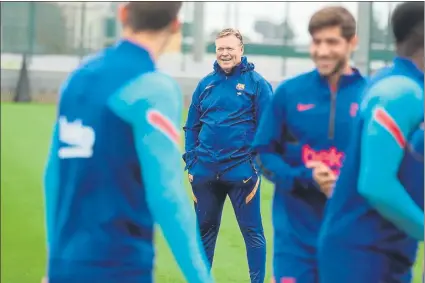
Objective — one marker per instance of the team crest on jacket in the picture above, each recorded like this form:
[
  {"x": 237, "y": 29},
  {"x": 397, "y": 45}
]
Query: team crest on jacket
[{"x": 240, "y": 86}]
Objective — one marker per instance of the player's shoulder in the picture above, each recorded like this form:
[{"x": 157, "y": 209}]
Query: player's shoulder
[
  {"x": 396, "y": 88},
  {"x": 148, "y": 85},
  {"x": 399, "y": 95},
  {"x": 260, "y": 80},
  {"x": 92, "y": 60},
  {"x": 293, "y": 85},
  {"x": 359, "y": 80},
  {"x": 208, "y": 79},
  {"x": 256, "y": 76},
  {"x": 158, "y": 79},
  {"x": 295, "y": 82},
  {"x": 206, "y": 82},
  {"x": 94, "y": 63},
  {"x": 83, "y": 73},
  {"x": 88, "y": 66},
  {"x": 150, "y": 89}
]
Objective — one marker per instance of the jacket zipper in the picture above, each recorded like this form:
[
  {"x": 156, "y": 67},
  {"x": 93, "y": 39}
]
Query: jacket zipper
[{"x": 331, "y": 132}]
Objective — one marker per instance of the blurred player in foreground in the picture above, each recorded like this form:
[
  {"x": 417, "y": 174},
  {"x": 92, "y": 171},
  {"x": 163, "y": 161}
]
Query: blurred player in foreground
[
  {"x": 222, "y": 121},
  {"x": 302, "y": 139},
  {"x": 374, "y": 221},
  {"x": 113, "y": 170}
]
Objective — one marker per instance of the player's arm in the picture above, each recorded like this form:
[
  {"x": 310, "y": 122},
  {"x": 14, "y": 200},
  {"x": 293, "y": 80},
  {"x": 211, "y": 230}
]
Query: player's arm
[
  {"x": 267, "y": 145},
  {"x": 383, "y": 144},
  {"x": 192, "y": 128},
  {"x": 50, "y": 188},
  {"x": 152, "y": 106},
  {"x": 51, "y": 171},
  {"x": 263, "y": 98},
  {"x": 50, "y": 184}
]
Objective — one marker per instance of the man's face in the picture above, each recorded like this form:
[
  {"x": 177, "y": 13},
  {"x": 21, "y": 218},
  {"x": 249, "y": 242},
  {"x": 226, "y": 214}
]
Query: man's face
[
  {"x": 229, "y": 51},
  {"x": 330, "y": 51}
]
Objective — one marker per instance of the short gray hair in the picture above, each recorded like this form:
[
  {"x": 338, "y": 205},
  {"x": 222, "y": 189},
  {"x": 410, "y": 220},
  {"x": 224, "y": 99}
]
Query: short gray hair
[{"x": 230, "y": 31}]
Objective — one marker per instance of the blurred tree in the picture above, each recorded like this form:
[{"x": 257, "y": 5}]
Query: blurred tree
[
  {"x": 50, "y": 34},
  {"x": 265, "y": 28},
  {"x": 275, "y": 32},
  {"x": 285, "y": 30}
]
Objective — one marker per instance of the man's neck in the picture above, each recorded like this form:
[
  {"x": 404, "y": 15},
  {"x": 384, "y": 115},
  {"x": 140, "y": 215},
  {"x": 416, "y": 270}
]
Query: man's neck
[
  {"x": 229, "y": 71},
  {"x": 417, "y": 57},
  {"x": 334, "y": 79},
  {"x": 152, "y": 42},
  {"x": 418, "y": 60}
]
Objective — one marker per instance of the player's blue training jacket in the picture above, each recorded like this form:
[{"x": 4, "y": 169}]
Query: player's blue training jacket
[
  {"x": 223, "y": 117},
  {"x": 113, "y": 172},
  {"x": 370, "y": 208},
  {"x": 305, "y": 122},
  {"x": 411, "y": 172}
]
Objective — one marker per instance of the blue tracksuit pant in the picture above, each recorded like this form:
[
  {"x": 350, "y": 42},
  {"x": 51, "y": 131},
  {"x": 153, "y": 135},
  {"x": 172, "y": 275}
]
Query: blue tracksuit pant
[{"x": 242, "y": 185}]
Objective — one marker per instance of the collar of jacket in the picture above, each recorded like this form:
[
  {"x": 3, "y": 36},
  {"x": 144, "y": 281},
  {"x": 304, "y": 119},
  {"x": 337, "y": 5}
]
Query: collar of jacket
[
  {"x": 345, "y": 79},
  {"x": 134, "y": 52},
  {"x": 244, "y": 66}
]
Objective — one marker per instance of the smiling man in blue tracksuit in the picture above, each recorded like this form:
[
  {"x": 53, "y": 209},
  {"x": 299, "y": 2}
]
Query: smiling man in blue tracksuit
[
  {"x": 222, "y": 121},
  {"x": 302, "y": 140},
  {"x": 376, "y": 216}
]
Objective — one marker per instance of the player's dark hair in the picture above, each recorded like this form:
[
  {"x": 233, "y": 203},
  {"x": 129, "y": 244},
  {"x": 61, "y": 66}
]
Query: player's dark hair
[
  {"x": 151, "y": 16},
  {"x": 408, "y": 27},
  {"x": 333, "y": 16}
]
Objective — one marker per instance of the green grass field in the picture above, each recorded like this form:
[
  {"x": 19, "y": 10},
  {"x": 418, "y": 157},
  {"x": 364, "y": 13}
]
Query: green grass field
[{"x": 25, "y": 134}]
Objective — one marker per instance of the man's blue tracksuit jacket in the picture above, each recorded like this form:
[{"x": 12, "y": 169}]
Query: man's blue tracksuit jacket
[
  {"x": 223, "y": 118},
  {"x": 221, "y": 125}
]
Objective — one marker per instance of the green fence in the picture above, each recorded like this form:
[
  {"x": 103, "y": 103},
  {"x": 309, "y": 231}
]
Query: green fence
[
  {"x": 78, "y": 28},
  {"x": 60, "y": 28}
]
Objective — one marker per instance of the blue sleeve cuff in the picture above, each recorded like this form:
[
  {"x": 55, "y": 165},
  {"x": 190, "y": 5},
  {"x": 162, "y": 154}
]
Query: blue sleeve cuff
[
  {"x": 304, "y": 178},
  {"x": 189, "y": 158}
]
